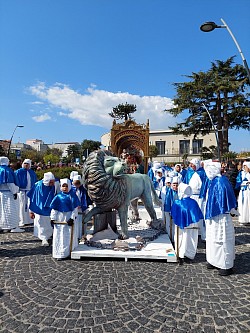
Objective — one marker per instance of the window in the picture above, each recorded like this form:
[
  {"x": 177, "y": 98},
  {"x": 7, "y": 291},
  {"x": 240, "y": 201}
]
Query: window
[
  {"x": 197, "y": 145},
  {"x": 184, "y": 146},
  {"x": 161, "y": 147}
]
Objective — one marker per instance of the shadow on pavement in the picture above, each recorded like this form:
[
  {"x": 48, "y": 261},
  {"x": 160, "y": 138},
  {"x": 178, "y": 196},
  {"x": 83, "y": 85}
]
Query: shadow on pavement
[{"x": 14, "y": 253}]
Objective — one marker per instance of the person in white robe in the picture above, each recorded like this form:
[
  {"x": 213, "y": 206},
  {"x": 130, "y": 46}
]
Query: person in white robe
[
  {"x": 41, "y": 196},
  {"x": 244, "y": 196},
  {"x": 186, "y": 214},
  {"x": 170, "y": 197},
  {"x": 26, "y": 178},
  {"x": 64, "y": 211},
  {"x": 195, "y": 176},
  {"x": 220, "y": 236},
  {"x": 9, "y": 220}
]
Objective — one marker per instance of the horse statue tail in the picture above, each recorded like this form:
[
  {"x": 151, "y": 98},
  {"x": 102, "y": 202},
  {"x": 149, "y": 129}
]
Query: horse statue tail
[{"x": 157, "y": 201}]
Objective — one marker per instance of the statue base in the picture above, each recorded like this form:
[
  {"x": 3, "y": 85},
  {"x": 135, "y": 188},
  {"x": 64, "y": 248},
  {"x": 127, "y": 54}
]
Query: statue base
[{"x": 158, "y": 245}]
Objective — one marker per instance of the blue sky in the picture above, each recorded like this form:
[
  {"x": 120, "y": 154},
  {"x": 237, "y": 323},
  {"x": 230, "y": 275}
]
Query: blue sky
[{"x": 65, "y": 64}]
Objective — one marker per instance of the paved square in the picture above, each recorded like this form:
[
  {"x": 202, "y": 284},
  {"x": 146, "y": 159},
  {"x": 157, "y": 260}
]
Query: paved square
[{"x": 39, "y": 294}]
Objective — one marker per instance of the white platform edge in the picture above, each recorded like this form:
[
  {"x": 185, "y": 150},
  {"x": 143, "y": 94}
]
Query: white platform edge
[{"x": 159, "y": 249}]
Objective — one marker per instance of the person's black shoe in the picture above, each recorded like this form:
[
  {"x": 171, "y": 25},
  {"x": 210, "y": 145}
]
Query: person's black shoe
[
  {"x": 188, "y": 260},
  {"x": 226, "y": 272},
  {"x": 181, "y": 261},
  {"x": 209, "y": 266}
]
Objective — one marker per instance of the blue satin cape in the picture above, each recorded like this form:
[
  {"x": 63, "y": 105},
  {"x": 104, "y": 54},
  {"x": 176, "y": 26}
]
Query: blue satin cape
[
  {"x": 41, "y": 197},
  {"x": 170, "y": 197},
  {"x": 85, "y": 201},
  {"x": 190, "y": 172},
  {"x": 6, "y": 175},
  {"x": 65, "y": 202},
  {"x": 221, "y": 198},
  {"x": 21, "y": 176},
  {"x": 185, "y": 212}
]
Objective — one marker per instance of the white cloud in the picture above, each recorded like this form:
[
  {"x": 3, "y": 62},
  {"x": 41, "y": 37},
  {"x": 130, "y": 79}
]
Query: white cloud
[
  {"x": 93, "y": 106},
  {"x": 36, "y": 103},
  {"x": 41, "y": 118}
]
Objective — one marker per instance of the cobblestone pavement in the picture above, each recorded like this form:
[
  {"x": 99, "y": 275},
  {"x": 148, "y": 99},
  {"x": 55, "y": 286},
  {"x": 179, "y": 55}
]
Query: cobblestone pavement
[{"x": 40, "y": 294}]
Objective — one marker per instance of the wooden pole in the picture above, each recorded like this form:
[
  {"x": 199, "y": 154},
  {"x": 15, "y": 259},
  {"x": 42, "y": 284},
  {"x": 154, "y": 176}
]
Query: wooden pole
[{"x": 177, "y": 242}]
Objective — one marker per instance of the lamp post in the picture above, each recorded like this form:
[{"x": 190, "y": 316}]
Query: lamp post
[
  {"x": 215, "y": 131},
  {"x": 210, "y": 26},
  {"x": 8, "y": 153}
]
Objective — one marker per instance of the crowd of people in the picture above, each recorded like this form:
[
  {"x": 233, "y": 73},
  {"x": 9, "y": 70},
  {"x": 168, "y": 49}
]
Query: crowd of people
[
  {"x": 198, "y": 200},
  {"x": 201, "y": 200},
  {"x": 54, "y": 207}
]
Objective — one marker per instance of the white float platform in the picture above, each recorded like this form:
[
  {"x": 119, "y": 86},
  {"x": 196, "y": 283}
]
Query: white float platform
[{"x": 159, "y": 249}]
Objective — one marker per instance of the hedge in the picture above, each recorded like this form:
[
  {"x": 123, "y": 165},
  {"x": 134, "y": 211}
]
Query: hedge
[{"x": 60, "y": 173}]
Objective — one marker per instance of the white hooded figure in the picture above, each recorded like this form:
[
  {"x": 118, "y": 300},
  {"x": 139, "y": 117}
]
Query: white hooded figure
[
  {"x": 196, "y": 180},
  {"x": 77, "y": 182},
  {"x": 63, "y": 216},
  {"x": 9, "y": 219},
  {"x": 26, "y": 178},
  {"x": 41, "y": 196},
  {"x": 244, "y": 196},
  {"x": 186, "y": 239},
  {"x": 220, "y": 236}
]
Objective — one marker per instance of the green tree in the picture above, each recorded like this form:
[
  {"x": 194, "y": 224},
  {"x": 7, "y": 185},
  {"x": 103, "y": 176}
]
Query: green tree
[
  {"x": 2, "y": 151},
  {"x": 231, "y": 155},
  {"x": 33, "y": 155},
  {"x": 53, "y": 159},
  {"x": 73, "y": 151},
  {"x": 209, "y": 152},
  {"x": 122, "y": 111},
  {"x": 153, "y": 151},
  {"x": 88, "y": 146},
  {"x": 223, "y": 92},
  {"x": 54, "y": 151}
]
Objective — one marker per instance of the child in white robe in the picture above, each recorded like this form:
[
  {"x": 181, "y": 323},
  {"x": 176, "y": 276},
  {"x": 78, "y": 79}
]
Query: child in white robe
[
  {"x": 186, "y": 214},
  {"x": 63, "y": 215}
]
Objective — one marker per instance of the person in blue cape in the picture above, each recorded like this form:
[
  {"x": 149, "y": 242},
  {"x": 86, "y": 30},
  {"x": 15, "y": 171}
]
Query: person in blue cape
[
  {"x": 159, "y": 181},
  {"x": 179, "y": 171},
  {"x": 8, "y": 198},
  {"x": 41, "y": 196},
  {"x": 63, "y": 216},
  {"x": 85, "y": 201},
  {"x": 244, "y": 196},
  {"x": 26, "y": 178},
  {"x": 170, "y": 196},
  {"x": 195, "y": 177},
  {"x": 152, "y": 171},
  {"x": 220, "y": 236},
  {"x": 186, "y": 214}
]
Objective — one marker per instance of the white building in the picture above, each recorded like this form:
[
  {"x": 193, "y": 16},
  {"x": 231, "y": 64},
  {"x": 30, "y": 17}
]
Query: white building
[
  {"x": 63, "y": 146},
  {"x": 37, "y": 144}
]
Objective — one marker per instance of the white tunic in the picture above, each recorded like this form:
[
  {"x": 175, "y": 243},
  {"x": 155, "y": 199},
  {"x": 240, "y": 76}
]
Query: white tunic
[
  {"x": 42, "y": 227},
  {"x": 244, "y": 202},
  {"x": 220, "y": 250},
  {"x": 8, "y": 207},
  {"x": 62, "y": 234},
  {"x": 187, "y": 241},
  {"x": 168, "y": 221},
  {"x": 78, "y": 221},
  {"x": 196, "y": 183},
  {"x": 24, "y": 201}
]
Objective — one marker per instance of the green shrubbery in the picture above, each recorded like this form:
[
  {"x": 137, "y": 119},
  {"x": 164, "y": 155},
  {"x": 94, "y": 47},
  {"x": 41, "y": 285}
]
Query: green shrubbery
[{"x": 60, "y": 173}]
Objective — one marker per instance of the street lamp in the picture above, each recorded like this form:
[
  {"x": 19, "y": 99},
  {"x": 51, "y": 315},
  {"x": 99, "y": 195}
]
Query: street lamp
[
  {"x": 8, "y": 153},
  {"x": 215, "y": 130},
  {"x": 210, "y": 26}
]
